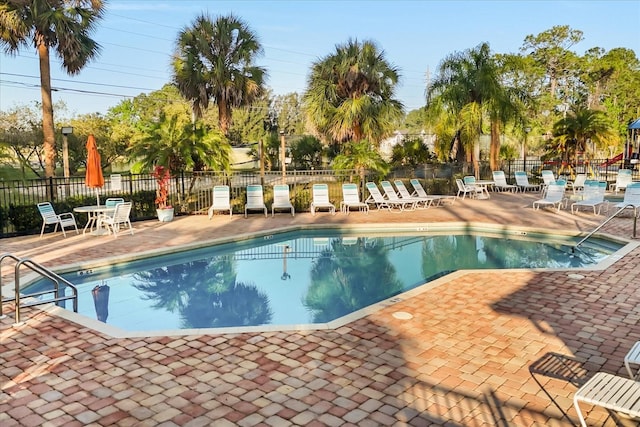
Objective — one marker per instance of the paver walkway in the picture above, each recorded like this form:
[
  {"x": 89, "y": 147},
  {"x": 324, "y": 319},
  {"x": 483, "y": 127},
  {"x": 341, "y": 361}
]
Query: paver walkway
[{"x": 463, "y": 359}]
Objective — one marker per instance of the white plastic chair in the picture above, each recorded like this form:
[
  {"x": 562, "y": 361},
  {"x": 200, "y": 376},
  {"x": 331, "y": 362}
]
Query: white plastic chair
[
  {"x": 500, "y": 182},
  {"x": 221, "y": 200},
  {"x": 419, "y": 191},
  {"x": 554, "y": 197},
  {"x": 592, "y": 197},
  {"x": 522, "y": 181},
  {"x": 320, "y": 194},
  {"x": 49, "y": 217},
  {"x": 120, "y": 217},
  {"x": 631, "y": 198},
  {"x": 281, "y": 199},
  {"x": 255, "y": 200},
  {"x": 351, "y": 199},
  {"x": 405, "y": 195},
  {"x": 623, "y": 179},
  {"x": 465, "y": 189},
  {"x": 393, "y": 197}
]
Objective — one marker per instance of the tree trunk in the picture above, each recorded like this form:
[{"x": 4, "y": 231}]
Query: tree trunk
[
  {"x": 48, "y": 128},
  {"x": 224, "y": 116},
  {"x": 494, "y": 148}
]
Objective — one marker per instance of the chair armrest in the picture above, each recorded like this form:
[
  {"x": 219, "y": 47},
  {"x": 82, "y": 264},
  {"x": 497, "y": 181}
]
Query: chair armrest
[{"x": 66, "y": 215}]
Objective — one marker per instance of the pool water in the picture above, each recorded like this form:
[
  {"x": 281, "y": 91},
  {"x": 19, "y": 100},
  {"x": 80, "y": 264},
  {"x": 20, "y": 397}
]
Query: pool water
[{"x": 293, "y": 278}]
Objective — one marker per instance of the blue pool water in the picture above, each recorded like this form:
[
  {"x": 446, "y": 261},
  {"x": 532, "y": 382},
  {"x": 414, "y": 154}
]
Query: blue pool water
[{"x": 294, "y": 278}]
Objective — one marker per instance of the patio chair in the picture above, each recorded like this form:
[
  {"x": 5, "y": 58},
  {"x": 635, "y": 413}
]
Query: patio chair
[
  {"x": 554, "y": 197},
  {"x": 592, "y": 197},
  {"x": 577, "y": 185},
  {"x": 470, "y": 181},
  {"x": 522, "y": 181},
  {"x": 623, "y": 179},
  {"x": 611, "y": 392},
  {"x": 50, "y": 217},
  {"x": 281, "y": 199},
  {"x": 392, "y": 196},
  {"x": 465, "y": 189},
  {"x": 221, "y": 200},
  {"x": 425, "y": 202},
  {"x": 500, "y": 182},
  {"x": 320, "y": 193},
  {"x": 255, "y": 200},
  {"x": 120, "y": 217},
  {"x": 377, "y": 199},
  {"x": 351, "y": 199},
  {"x": 631, "y": 198},
  {"x": 419, "y": 191}
]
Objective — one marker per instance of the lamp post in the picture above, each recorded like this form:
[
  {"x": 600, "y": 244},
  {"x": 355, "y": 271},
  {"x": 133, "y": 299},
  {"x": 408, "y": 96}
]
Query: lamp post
[
  {"x": 282, "y": 157},
  {"x": 66, "y": 130}
]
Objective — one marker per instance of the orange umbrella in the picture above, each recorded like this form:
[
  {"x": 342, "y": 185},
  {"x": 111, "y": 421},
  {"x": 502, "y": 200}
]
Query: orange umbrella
[{"x": 93, "y": 177}]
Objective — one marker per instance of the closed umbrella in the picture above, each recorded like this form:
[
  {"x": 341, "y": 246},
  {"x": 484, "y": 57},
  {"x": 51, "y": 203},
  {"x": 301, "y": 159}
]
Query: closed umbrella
[{"x": 93, "y": 177}]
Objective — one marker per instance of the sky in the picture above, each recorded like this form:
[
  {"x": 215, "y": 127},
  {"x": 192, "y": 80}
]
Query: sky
[{"x": 138, "y": 38}]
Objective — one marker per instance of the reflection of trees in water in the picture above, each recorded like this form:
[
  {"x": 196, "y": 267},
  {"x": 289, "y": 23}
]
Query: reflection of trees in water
[
  {"x": 348, "y": 277},
  {"x": 206, "y": 294},
  {"x": 459, "y": 252}
]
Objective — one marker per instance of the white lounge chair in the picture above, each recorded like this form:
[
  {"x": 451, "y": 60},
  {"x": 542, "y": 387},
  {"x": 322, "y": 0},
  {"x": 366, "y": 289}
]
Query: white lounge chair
[
  {"x": 50, "y": 217},
  {"x": 592, "y": 197},
  {"x": 120, "y": 217},
  {"x": 577, "y": 184},
  {"x": 439, "y": 199},
  {"x": 351, "y": 199},
  {"x": 392, "y": 196},
  {"x": 255, "y": 200},
  {"x": 377, "y": 199},
  {"x": 623, "y": 179},
  {"x": 610, "y": 392},
  {"x": 470, "y": 181},
  {"x": 465, "y": 189},
  {"x": 522, "y": 181},
  {"x": 631, "y": 198},
  {"x": 425, "y": 202},
  {"x": 320, "y": 193},
  {"x": 281, "y": 199},
  {"x": 221, "y": 200},
  {"x": 553, "y": 197},
  {"x": 500, "y": 182}
]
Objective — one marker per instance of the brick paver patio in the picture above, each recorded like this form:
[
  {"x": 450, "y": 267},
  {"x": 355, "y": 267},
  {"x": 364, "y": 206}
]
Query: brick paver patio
[{"x": 463, "y": 359}]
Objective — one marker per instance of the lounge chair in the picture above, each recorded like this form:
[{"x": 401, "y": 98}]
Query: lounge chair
[
  {"x": 255, "y": 200},
  {"x": 522, "y": 181},
  {"x": 631, "y": 198},
  {"x": 221, "y": 200},
  {"x": 281, "y": 199},
  {"x": 419, "y": 191},
  {"x": 405, "y": 195},
  {"x": 320, "y": 193},
  {"x": 465, "y": 189},
  {"x": 623, "y": 179},
  {"x": 50, "y": 217},
  {"x": 119, "y": 217},
  {"x": 392, "y": 196},
  {"x": 376, "y": 198},
  {"x": 553, "y": 197},
  {"x": 610, "y": 392},
  {"x": 500, "y": 182},
  {"x": 592, "y": 196},
  {"x": 351, "y": 199}
]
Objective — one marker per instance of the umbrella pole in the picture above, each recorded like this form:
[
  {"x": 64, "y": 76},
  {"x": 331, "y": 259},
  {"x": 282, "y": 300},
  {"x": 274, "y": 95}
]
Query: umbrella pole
[{"x": 97, "y": 197}]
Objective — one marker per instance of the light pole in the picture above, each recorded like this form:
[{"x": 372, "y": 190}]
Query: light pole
[
  {"x": 282, "y": 157},
  {"x": 66, "y": 130}
]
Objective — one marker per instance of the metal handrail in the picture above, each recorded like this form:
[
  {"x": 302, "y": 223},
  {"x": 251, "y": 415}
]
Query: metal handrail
[
  {"x": 44, "y": 272},
  {"x": 635, "y": 218}
]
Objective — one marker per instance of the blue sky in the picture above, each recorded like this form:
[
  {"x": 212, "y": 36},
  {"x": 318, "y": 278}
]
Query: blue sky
[{"x": 138, "y": 36}]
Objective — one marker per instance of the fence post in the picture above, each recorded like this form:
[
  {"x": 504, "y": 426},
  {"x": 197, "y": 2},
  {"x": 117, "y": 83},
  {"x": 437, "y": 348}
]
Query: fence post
[{"x": 51, "y": 190}]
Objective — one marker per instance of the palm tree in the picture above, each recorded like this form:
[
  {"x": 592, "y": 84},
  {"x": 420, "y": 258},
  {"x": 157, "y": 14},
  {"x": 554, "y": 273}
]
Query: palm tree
[
  {"x": 350, "y": 94},
  {"x": 361, "y": 156},
  {"x": 65, "y": 26},
  {"x": 581, "y": 131},
  {"x": 213, "y": 61},
  {"x": 468, "y": 84}
]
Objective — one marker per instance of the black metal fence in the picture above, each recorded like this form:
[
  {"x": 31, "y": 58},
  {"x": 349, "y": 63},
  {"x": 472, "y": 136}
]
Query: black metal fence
[{"x": 191, "y": 193}]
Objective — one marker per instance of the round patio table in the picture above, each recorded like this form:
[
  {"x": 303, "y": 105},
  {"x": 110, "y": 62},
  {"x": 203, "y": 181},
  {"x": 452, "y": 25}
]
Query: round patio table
[{"x": 93, "y": 212}]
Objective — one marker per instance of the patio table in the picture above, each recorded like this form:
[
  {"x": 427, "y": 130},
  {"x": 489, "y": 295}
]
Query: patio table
[{"x": 93, "y": 212}]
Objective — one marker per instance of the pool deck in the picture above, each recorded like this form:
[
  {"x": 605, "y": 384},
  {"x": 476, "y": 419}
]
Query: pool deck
[{"x": 464, "y": 358}]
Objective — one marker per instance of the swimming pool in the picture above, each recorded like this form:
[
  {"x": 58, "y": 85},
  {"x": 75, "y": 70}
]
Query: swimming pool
[{"x": 305, "y": 277}]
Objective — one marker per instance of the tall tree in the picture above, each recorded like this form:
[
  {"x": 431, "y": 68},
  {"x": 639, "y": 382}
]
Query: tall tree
[
  {"x": 350, "y": 94},
  {"x": 213, "y": 61},
  {"x": 62, "y": 25}
]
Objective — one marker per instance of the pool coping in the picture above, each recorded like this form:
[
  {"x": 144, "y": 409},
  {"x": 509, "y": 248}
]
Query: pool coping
[{"x": 476, "y": 227}]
